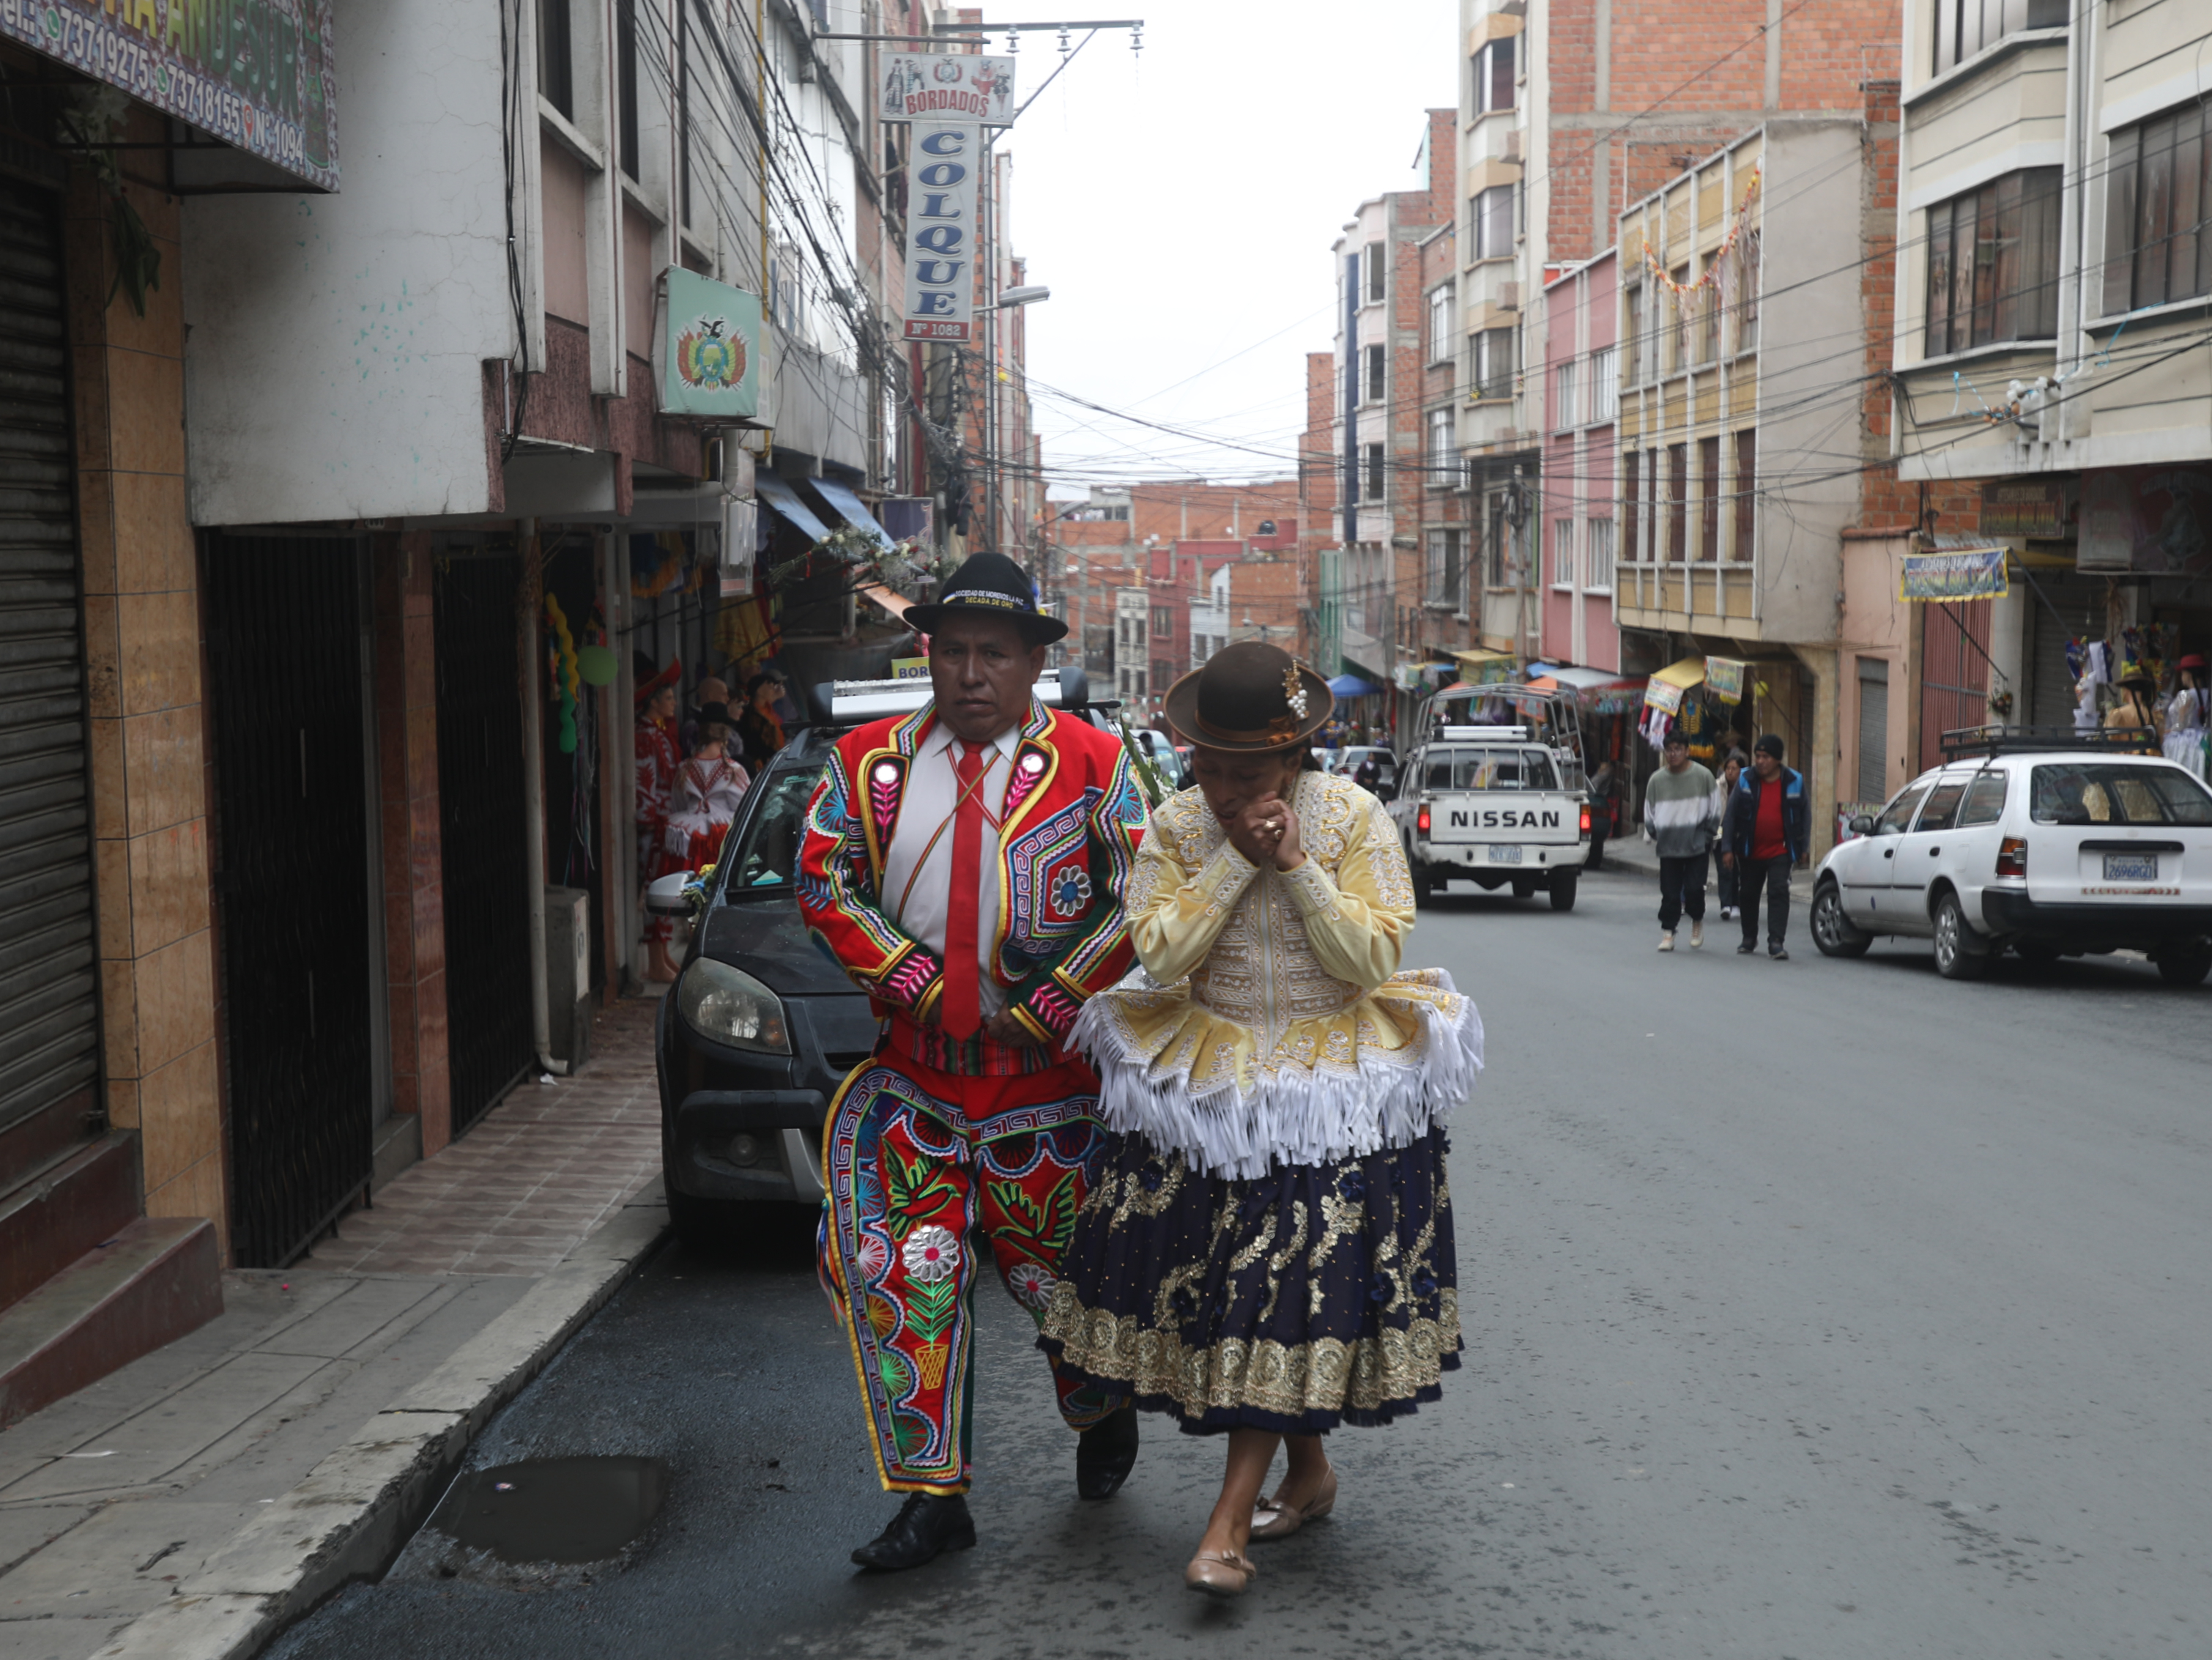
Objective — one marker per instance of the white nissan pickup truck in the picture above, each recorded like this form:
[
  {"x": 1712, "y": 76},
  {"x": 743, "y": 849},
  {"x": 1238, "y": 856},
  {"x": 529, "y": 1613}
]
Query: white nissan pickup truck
[{"x": 1490, "y": 806}]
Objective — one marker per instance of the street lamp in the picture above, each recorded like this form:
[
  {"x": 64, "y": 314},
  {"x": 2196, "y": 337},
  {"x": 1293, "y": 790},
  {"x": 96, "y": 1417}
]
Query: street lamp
[
  {"x": 1026, "y": 295},
  {"x": 1029, "y": 293}
]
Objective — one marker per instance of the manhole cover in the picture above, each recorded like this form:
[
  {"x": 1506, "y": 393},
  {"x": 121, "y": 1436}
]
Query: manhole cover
[{"x": 554, "y": 1510}]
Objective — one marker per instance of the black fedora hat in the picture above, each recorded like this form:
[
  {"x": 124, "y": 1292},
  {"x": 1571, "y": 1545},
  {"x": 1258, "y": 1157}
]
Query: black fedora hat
[
  {"x": 1249, "y": 697},
  {"x": 988, "y": 585}
]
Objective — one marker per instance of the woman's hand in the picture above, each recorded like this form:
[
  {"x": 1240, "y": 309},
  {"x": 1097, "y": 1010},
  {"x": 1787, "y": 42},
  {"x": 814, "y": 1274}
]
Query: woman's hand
[{"x": 1266, "y": 832}]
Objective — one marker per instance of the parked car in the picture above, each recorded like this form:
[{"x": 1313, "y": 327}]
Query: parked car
[
  {"x": 1160, "y": 750},
  {"x": 1491, "y": 805},
  {"x": 762, "y": 1028},
  {"x": 2045, "y": 852}
]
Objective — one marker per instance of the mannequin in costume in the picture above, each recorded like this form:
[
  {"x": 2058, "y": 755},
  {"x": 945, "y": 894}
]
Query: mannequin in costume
[
  {"x": 2186, "y": 712},
  {"x": 966, "y": 864},
  {"x": 1267, "y": 1251},
  {"x": 705, "y": 796},
  {"x": 656, "y": 777}
]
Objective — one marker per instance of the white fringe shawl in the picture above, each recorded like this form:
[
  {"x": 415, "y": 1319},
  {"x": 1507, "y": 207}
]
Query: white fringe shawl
[{"x": 1293, "y": 1114}]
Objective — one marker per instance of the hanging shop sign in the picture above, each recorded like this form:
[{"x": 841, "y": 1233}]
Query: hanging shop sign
[
  {"x": 1955, "y": 573},
  {"x": 929, "y": 86},
  {"x": 940, "y": 231},
  {"x": 2043, "y": 509},
  {"x": 710, "y": 349},
  {"x": 256, "y": 74},
  {"x": 2150, "y": 520},
  {"x": 1663, "y": 696},
  {"x": 1724, "y": 678}
]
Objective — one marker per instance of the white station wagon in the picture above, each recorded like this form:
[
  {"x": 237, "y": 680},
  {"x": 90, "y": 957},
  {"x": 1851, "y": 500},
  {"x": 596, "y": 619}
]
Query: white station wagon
[{"x": 2047, "y": 851}]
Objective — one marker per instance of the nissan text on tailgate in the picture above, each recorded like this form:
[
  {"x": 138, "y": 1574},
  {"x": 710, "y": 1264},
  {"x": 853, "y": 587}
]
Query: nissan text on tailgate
[{"x": 1487, "y": 805}]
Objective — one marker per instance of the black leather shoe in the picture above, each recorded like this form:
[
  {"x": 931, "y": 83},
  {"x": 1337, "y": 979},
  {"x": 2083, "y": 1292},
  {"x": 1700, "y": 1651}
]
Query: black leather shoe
[
  {"x": 1778, "y": 951},
  {"x": 1105, "y": 1454},
  {"x": 1745, "y": 948},
  {"x": 925, "y": 1526}
]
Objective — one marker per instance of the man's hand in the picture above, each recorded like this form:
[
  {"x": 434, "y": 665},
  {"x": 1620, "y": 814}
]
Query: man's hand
[
  {"x": 1728, "y": 860},
  {"x": 1004, "y": 1028}
]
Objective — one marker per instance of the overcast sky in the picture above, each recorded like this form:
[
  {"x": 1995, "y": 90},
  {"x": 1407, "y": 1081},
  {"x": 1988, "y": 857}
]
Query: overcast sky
[{"x": 1181, "y": 206}]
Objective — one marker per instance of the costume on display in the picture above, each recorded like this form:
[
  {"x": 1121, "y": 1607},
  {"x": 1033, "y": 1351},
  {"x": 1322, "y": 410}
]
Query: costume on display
[
  {"x": 701, "y": 808},
  {"x": 945, "y": 1136},
  {"x": 656, "y": 777},
  {"x": 2185, "y": 716},
  {"x": 1269, "y": 1244}
]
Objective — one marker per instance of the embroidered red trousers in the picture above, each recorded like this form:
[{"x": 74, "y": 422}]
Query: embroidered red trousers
[{"x": 923, "y": 1169}]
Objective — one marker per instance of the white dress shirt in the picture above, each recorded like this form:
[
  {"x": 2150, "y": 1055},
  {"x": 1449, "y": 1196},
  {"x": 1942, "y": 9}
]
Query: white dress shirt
[{"x": 916, "y": 888}]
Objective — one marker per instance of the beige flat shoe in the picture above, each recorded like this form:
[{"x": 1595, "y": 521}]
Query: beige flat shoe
[
  {"x": 1221, "y": 1573},
  {"x": 1273, "y": 1519}
]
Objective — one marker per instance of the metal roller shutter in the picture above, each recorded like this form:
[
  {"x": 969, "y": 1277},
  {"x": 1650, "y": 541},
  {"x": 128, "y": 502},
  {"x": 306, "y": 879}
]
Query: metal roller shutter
[
  {"x": 2080, "y": 602},
  {"x": 48, "y": 1007},
  {"x": 1874, "y": 729}
]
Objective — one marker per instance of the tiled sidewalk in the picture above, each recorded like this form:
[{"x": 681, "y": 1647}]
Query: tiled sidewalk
[{"x": 541, "y": 1171}]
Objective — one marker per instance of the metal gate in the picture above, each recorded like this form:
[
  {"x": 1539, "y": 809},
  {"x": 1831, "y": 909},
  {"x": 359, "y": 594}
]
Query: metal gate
[
  {"x": 49, "y": 1004},
  {"x": 482, "y": 816},
  {"x": 1954, "y": 672},
  {"x": 291, "y": 839}
]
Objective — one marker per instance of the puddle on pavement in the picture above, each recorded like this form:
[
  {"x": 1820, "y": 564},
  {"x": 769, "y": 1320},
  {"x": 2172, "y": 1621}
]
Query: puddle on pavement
[{"x": 531, "y": 1521}]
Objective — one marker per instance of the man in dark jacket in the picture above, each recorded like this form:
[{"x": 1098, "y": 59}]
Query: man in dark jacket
[{"x": 1764, "y": 834}]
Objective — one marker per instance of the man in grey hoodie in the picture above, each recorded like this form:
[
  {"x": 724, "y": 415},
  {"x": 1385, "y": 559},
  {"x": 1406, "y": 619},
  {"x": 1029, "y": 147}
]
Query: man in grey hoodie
[{"x": 1681, "y": 813}]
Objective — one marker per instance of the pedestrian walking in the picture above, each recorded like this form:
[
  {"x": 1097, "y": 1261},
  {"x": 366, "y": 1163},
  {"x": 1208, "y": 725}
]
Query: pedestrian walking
[
  {"x": 967, "y": 866},
  {"x": 1603, "y": 787},
  {"x": 1269, "y": 1255},
  {"x": 1724, "y": 879},
  {"x": 1764, "y": 837},
  {"x": 1682, "y": 812}
]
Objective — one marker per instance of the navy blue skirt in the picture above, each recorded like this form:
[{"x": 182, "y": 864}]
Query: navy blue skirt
[{"x": 1314, "y": 1295}]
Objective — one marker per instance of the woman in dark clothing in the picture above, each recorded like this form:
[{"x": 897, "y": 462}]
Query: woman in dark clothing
[{"x": 760, "y": 729}]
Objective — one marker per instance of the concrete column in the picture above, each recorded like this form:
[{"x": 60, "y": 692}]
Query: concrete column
[
  {"x": 412, "y": 837},
  {"x": 143, "y": 677}
]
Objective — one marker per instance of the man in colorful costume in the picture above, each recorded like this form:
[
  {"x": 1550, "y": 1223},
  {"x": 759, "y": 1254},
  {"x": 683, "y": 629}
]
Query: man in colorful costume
[{"x": 966, "y": 866}]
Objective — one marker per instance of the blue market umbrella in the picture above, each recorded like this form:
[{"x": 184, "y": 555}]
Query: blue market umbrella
[{"x": 1351, "y": 685}]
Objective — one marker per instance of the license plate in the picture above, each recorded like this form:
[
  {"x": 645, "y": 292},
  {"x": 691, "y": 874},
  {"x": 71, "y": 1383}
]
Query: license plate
[
  {"x": 2132, "y": 867},
  {"x": 1512, "y": 857}
]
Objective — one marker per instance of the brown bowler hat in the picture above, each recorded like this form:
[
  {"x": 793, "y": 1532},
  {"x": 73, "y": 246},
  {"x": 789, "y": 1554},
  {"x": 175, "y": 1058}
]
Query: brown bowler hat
[{"x": 1249, "y": 697}]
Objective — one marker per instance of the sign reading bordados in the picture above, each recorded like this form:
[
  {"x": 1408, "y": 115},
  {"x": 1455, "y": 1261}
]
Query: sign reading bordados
[
  {"x": 710, "y": 357},
  {"x": 1971, "y": 574},
  {"x": 256, "y": 74},
  {"x": 940, "y": 231},
  {"x": 929, "y": 86}
]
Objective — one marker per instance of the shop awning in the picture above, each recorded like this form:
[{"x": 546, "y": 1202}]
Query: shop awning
[
  {"x": 852, "y": 510},
  {"x": 1351, "y": 685},
  {"x": 784, "y": 502},
  {"x": 1690, "y": 672}
]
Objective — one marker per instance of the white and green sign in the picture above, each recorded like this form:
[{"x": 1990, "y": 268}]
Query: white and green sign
[{"x": 710, "y": 355}]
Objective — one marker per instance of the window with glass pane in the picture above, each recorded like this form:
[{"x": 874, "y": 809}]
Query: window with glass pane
[
  {"x": 1963, "y": 27},
  {"x": 1993, "y": 264},
  {"x": 1899, "y": 814},
  {"x": 2116, "y": 792},
  {"x": 1378, "y": 473},
  {"x": 1747, "y": 495},
  {"x": 1377, "y": 276},
  {"x": 1678, "y": 505},
  {"x": 1677, "y": 322},
  {"x": 1747, "y": 307},
  {"x": 1705, "y": 328},
  {"x": 1597, "y": 556},
  {"x": 1378, "y": 376},
  {"x": 1563, "y": 553},
  {"x": 1985, "y": 799},
  {"x": 1441, "y": 328},
  {"x": 1441, "y": 583},
  {"x": 1604, "y": 385},
  {"x": 1493, "y": 224},
  {"x": 1443, "y": 464},
  {"x": 1563, "y": 401},
  {"x": 1493, "y": 363},
  {"x": 2157, "y": 247},
  {"x": 1631, "y": 518},
  {"x": 1633, "y": 326},
  {"x": 1709, "y": 499},
  {"x": 1493, "y": 76}
]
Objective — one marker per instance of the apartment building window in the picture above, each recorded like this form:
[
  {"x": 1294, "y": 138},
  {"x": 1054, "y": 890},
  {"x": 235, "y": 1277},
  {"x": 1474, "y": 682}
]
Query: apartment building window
[
  {"x": 1678, "y": 506},
  {"x": 1494, "y": 76},
  {"x": 626, "y": 85},
  {"x": 1632, "y": 324},
  {"x": 1563, "y": 553},
  {"x": 1709, "y": 499},
  {"x": 557, "y": 77},
  {"x": 1497, "y": 577},
  {"x": 1491, "y": 213},
  {"x": 1493, "y": 363},
  {"x": 1631, "y": 489},
  {"x": 1705, "y": 327},
  {"x": 1963, "y": 27},
  {"x": 1164, "y": 672},
  {"x": 1597, "y": 556},
  {"x": 1441, "y": 584},
  {"x": 2156, "y": 248},
  {"x": 1747, "y": 310},
  {"x": 1563, "y": 398},
  {"x": 1378, "y": 473},
  {"x": 1442, "y": 327},
  {"x": 1444, "y": 463},
  {"x": 1993, "y": 264},
  {"x": 1376, "y": 380},
  {"x": 1604, "y": 385},
  {"x": 1378, "y": 277},
  {"x": 1162, "y": 621},
  {"x": 1747, "y": 494},
  {"x": 1678, "y": 330}
]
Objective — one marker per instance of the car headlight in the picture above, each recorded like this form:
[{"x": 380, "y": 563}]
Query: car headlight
[{"x": 730, "y": 1007}]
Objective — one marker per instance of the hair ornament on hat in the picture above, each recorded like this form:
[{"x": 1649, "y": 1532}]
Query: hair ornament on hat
[
  {"x": 1294, "y": 691},
  {"x": 1250, "y": 697}
]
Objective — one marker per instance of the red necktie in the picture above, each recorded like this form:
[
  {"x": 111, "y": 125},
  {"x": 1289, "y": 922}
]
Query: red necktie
[{"x": 961, "y": 1011}]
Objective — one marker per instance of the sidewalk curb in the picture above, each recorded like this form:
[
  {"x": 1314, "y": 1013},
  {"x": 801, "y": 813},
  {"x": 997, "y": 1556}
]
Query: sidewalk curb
[{"x": 357, "y": 1507}]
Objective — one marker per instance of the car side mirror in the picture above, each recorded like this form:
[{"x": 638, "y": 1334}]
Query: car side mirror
[
  {"x": 666, "y": 895},
  {"x": 1864, "y": 824}
]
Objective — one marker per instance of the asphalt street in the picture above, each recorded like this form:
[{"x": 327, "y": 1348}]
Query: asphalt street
[{"x": 1813, "y": 1309}]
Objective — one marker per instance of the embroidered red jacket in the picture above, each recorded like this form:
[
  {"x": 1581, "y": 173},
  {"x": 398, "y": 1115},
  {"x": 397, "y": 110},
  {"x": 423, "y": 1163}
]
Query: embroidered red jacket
[{"x": 1066, "y": 845}]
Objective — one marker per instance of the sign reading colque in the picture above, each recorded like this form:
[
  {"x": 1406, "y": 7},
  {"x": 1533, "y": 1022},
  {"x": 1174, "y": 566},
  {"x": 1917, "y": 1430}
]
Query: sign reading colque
[{"x": 940, "y": 232}]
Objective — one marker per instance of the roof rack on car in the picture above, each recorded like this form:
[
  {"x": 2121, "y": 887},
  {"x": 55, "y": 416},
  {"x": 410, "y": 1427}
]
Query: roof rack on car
[{"x": 1964, "y": 741}]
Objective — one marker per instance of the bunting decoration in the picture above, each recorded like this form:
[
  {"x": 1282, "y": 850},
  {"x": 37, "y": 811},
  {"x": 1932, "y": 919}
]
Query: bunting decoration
[{"x": 1723, "y": 269}]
